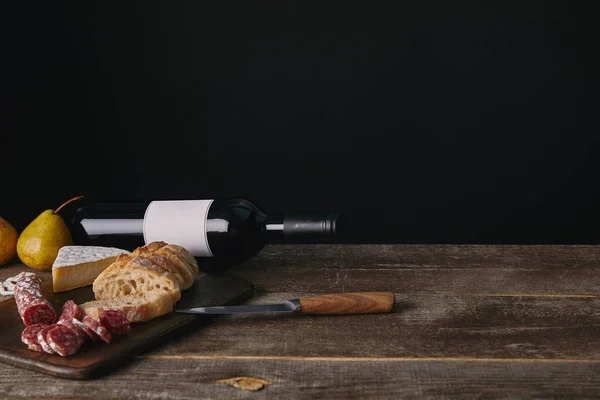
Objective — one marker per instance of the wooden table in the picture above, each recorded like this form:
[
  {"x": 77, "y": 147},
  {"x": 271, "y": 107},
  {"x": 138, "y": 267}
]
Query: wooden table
[{"x": 470, "y": 322}]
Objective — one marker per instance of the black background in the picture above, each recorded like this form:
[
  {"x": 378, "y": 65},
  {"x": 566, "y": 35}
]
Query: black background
[{"x": 419, "y": 121}]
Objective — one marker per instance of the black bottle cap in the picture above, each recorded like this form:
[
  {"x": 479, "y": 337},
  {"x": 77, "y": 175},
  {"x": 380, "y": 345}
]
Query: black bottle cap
[{"x": 311, "y": 226}]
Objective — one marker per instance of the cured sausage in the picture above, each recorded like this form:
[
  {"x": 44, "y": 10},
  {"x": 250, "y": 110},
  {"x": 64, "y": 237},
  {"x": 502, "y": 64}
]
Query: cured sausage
[
  {"x": 65, "y": 336},
  {"x": 41, "y": 336},
  {"x": 71, "y": 310},
  {"x": 32, "y": 306},
  {"x": 29, "y": 336},
  {"x": 63, "y": 340},
  {"x": 98, "y": 328},
  {"x": 35, "y": 347},
  {"x": 69, "y": 324},
  {"x": 90, "y": 333},
  {"x": 115, "y": 321}
]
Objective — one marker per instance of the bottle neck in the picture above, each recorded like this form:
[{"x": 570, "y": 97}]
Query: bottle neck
[
  {"x": 301, "y": 227},
  {"x": 275, "y": 228}
]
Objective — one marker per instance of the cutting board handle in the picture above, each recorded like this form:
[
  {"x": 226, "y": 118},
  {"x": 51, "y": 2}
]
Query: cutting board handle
[{"x": 348, "y": 303}]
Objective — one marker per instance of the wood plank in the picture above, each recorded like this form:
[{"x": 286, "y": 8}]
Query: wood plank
[
  {"x": 394, "y": 256},
  {"x": 420, "y": 326},
  {"x": 511, "y": 270},
  {"x": 196, "y": 378}
]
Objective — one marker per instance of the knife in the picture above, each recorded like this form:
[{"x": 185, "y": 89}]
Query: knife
[{"x": 342, "y": 303}]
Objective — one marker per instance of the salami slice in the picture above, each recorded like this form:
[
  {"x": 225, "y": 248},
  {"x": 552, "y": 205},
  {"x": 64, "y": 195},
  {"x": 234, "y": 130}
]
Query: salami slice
[
  {"x": 29, "y": 336},
  {"x": 69, "y": 324},
  {"x": 115, "y": 321},
  {"x": 90, "y": 333},
  {"x": 98, "y": 328},
  {"x": 41, "y": 336},
  {"x": 71, "y": 310},
  {"x": 35, "y": 347},
  {"x": 63, "y": 340},
  {"x": 32, "y": 306}
]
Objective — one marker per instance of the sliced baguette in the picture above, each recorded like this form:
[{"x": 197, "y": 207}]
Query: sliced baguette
[
  {"x": 151, "y": 247},
  {"x": 164, "y": 263},
  {"x": 185, "y": 269},
  {"x": 181, "y": 260},
  {"x": 137, "y": 308},
  {"x": 144, "y": 284},
  {"x": 134, "y": 275},
  {"x": 185, "y": 254}
]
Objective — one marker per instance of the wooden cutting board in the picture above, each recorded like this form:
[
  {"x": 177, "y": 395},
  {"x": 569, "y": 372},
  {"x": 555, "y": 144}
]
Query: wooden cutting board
[{"x": 94, "y": 359}]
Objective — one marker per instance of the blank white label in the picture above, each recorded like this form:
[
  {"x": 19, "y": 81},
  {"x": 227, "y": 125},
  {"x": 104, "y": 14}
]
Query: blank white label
[{"x": 180, "y": 222}]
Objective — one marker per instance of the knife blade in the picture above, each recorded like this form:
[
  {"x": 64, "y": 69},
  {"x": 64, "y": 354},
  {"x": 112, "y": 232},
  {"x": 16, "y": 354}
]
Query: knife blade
[{"x": 341, "y": 303}]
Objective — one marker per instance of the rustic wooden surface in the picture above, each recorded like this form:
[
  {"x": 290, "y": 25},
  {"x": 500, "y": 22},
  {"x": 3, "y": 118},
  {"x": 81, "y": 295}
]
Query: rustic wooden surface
[{"x": 469, "y": 322}]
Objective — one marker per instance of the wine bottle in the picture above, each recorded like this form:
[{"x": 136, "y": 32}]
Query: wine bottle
[{"x": 218, "y": 232}]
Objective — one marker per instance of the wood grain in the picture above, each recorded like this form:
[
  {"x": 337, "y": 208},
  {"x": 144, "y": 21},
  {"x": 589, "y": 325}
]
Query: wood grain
[
  {"x": 289, "y": 379},
  {"x": 511, "y": 270},
  {"x": 420, "y": 326},
  {"x": 468, "y": 322},
  {"x": 396, "y": 256},
  {"x": 348, "y": 303}
]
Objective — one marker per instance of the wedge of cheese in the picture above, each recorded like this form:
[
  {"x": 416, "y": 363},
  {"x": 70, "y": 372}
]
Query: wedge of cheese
[{"x": 78, "y": 266}]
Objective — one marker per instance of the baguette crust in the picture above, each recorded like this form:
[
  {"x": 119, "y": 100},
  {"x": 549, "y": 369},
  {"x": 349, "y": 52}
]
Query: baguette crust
[
  {"x": 180, "y": 262},
  {"x": 186, "y": 270},
  {"x": 136, "y": 308},
  {"x": 187, "y": 256},
  {"x": 164, "y": 263},
  {"x": 139, "y": 283},
  {"x": 151, "y": 247}
]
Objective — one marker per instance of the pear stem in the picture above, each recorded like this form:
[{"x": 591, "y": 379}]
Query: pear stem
[{"x": 67, "y": 202}]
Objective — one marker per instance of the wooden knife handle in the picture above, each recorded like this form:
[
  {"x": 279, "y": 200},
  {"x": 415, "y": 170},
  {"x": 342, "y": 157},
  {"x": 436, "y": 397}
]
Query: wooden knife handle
[{"x": 348, "y": 303}]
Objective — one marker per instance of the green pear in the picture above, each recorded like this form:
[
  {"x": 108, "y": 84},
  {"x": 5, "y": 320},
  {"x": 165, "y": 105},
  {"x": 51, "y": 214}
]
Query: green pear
[
  {"x": 40, "y": 241},
  {"x": 8, "y": 241}
]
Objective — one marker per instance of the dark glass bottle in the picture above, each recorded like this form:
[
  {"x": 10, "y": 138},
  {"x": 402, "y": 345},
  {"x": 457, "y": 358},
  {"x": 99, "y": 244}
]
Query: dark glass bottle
[{"x": 219, "y": 233}]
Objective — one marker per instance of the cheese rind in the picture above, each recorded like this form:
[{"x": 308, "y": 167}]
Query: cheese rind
[{"x": 78, "y": 266}]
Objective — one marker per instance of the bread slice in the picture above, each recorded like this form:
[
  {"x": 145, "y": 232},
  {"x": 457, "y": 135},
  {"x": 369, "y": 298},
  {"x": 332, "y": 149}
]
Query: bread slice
[
  {"x": 184, "y": 268},
  {"x": 179, "y": 259},
  {"x": 164, "y": 263},
  {"x": 137, "y": 308},
  {"x": 187, "y": 256},
  {"x": 134, "y": 275},
  {"x": 144, "y": 284}
]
